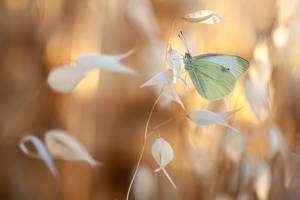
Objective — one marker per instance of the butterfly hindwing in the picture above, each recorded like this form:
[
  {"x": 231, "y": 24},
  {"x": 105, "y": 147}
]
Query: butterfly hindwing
[
  {"x": 236, "y": 65},
  {"x": 211, "y": 80}
]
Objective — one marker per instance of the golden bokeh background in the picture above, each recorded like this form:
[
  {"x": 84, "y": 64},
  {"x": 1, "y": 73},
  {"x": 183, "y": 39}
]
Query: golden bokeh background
[{"x": 107, "y": 112}]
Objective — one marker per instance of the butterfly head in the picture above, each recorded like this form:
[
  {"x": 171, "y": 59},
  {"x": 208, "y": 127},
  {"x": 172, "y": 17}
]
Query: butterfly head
[{"x": 187, "y": 58}]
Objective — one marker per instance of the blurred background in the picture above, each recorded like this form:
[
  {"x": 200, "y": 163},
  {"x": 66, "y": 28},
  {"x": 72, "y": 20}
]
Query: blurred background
[{"x": 107, "y": 112}]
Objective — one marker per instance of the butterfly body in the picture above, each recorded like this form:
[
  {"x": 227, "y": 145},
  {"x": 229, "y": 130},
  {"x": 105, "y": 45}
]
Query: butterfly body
[{"x": 215, "y": 75}]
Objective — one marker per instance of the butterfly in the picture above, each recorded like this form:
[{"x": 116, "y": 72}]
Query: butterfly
[{"x": 215, "y": 75}]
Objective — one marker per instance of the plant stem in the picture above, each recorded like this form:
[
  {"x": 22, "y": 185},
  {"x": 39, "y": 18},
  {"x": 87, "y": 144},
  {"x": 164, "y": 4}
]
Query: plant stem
[{"x": 144, "y": 145}]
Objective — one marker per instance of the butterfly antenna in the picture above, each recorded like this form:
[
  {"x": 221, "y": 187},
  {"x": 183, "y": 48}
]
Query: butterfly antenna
[{"x": 181, "y": 36}]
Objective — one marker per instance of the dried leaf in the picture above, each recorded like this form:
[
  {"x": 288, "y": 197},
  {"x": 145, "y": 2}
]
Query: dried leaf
[
  {"x": 205, "y": 117},
  {"x": 204, "y": 16},
  {"x": 64, "y": 79},
  {"x": 256, "y": 83},
  {"x": 261, "y": 66},
  {"x": 141, "y": 14},
  {"x": 262, "y": 181},
  {"x": 234, "y": 146},
  {"x": 41, "y": 153},
  {"x": 277, "y": 145},
  {"x": 168, "y": 177},
  {"x": 162, "y": 78},
  {"x": 256, "y": 93},
  {"x": 162, "y": 152},
  {"x": 174, "y": 60},
  {"x": 275, "y": 141},
  {"x": 247, "y": 170},
  {"x": 280, "y": 36},
  {"x": 110, "y": 63},
  {"x": 62, "y": 145},
  {"x": 170, "y": 93}
]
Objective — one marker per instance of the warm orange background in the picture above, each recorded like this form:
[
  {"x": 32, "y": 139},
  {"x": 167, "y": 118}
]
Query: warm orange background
[{"x": 107, "y": 112}]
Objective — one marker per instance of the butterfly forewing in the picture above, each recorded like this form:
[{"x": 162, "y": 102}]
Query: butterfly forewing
[
  {"x": 236, "y": 65},
  {"x": 211, "y": 80}
]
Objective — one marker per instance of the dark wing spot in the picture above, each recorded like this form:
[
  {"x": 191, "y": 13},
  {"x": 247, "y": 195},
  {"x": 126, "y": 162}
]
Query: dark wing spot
[{"x": 225, "y": 69}]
